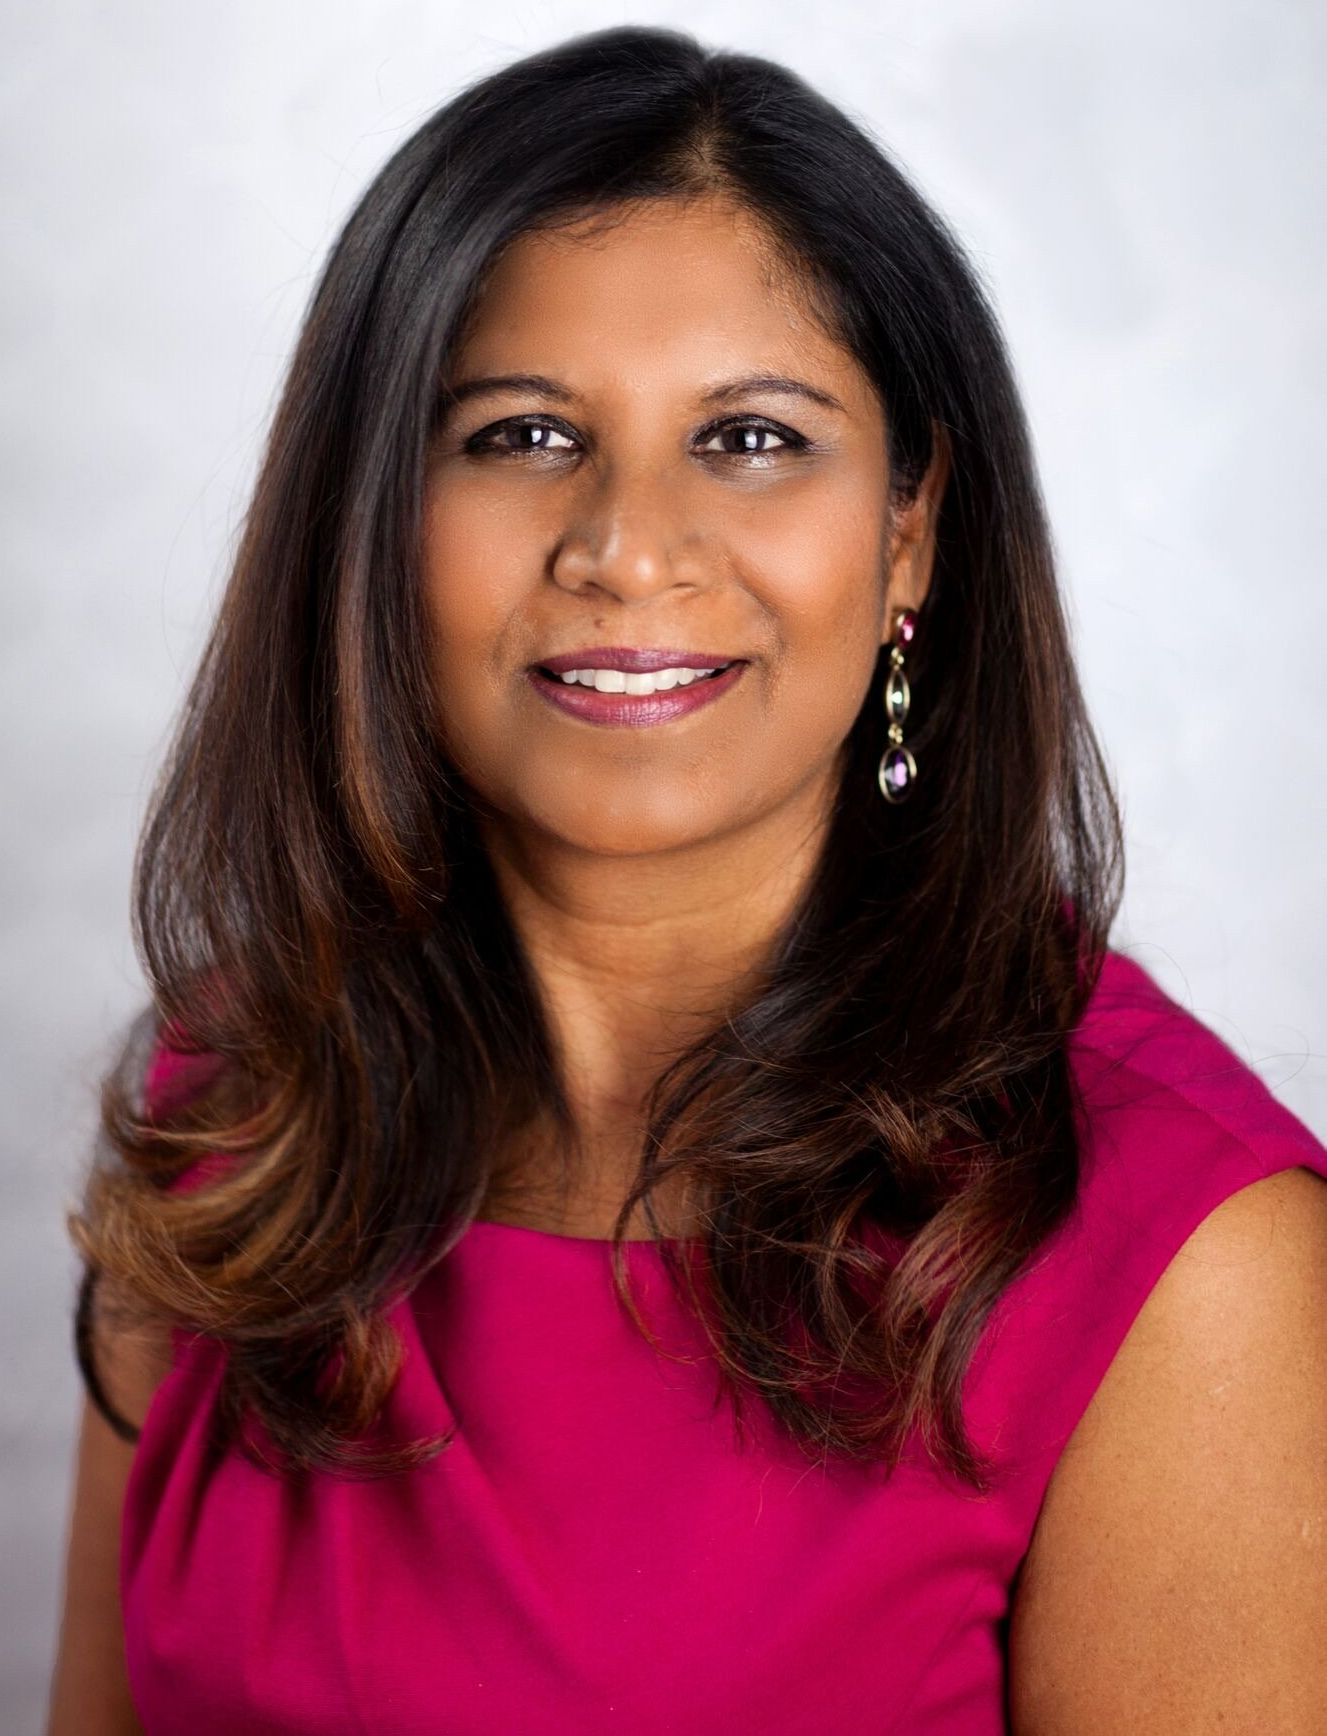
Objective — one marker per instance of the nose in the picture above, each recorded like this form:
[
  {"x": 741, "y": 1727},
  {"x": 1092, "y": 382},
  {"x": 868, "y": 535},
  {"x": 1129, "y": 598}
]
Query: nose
[{"x": 630, "y": 538}]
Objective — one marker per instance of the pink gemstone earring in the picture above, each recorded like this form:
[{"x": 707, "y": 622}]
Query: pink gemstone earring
[{"x": 898, "y": 769}]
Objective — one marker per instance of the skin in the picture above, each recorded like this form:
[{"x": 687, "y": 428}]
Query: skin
[
  {"x": 89, "y": 1690},
  {"x": 648, "y": 869},
  {"x": 1177, "y": 1577},
  {"x": 1175, "y": 1582}
]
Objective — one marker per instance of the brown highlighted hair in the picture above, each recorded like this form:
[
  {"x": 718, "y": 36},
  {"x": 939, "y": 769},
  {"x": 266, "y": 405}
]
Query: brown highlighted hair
[{"x": 881, "y": 1137}]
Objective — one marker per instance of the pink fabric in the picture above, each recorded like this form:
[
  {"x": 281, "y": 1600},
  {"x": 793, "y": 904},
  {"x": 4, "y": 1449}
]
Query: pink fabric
[{"x": 594, "y": 1553}]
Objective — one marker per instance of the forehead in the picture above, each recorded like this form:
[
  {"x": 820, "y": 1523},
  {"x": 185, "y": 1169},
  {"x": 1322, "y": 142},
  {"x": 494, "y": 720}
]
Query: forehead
[{"x": 690, "y": 290}]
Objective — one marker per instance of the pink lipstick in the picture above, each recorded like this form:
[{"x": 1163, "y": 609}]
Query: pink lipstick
[{"x": 614, "y": 669}]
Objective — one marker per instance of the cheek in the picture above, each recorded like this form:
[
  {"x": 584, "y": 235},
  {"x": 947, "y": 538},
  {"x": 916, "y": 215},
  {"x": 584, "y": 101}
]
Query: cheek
[
  {"x": 475, "y": 571},
  {"x": 824, "y": 540},
  {"x": 830, "y": 614},
  {"x": 458, "y": 567},
  {"x": 465, "y": 607},
  {"x": 822, "y": 582}
]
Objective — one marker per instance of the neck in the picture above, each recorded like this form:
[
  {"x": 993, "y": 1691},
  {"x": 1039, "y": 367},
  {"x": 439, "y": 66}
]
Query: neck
[{"x": 635, "y": 957}]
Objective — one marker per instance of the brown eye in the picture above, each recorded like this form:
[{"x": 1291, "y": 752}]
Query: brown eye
[
  {"x": 752, "y": 438},
  {"x": 491, "y": 439}
]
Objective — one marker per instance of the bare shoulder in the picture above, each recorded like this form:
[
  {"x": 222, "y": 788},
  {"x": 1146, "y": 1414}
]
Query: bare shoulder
[
  {"x": 89, "y": 1688},
  {"x": 1177, "y": 1577},
  {"x": 132, "y": 1354}
]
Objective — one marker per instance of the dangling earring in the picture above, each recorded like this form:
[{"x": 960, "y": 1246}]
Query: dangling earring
[{"x": 898, "y": 769}]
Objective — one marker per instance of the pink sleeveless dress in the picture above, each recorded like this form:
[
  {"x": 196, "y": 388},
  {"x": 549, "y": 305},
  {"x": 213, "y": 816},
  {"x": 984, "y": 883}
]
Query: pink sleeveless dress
[{"x": 594, "y": 1553}]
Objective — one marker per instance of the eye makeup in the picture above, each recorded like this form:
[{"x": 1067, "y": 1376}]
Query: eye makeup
[{"x": 487, "y": 441}]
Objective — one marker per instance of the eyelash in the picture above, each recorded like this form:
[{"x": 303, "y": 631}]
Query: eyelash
[{"x": 483, "y": 444}]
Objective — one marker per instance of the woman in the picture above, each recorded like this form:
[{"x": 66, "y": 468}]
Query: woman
[{"x": 656, "y": 1207}]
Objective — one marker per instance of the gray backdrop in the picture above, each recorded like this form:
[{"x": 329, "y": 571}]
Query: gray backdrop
[{"x": 1141, "y": 186}]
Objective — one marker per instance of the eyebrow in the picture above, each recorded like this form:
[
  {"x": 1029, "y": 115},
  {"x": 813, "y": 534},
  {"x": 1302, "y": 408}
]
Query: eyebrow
[{"x": 541, "y": 386}]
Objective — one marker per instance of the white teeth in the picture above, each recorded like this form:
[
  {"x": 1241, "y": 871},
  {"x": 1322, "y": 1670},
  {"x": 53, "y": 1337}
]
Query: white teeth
[{"x": 620, "y": 681}]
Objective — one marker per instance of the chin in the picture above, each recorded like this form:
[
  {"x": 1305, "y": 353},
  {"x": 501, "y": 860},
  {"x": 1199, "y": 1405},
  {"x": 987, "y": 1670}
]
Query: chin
[{"x": 618, "y": 836}]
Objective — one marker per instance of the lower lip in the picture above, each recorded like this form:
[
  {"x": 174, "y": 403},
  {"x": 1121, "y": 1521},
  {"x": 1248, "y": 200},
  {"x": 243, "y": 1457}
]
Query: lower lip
[{"x": 638, "y": 710}]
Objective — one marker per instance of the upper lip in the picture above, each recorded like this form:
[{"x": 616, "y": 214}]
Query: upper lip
[{"x": 634, "y": 659}]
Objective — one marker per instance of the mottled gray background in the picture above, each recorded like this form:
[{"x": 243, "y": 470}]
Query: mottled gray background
[{"x": 1142, "y": 187}]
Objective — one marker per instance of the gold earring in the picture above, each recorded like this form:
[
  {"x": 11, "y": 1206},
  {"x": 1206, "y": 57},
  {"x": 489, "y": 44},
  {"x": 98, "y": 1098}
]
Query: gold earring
[{"x": 898, "y": 769}]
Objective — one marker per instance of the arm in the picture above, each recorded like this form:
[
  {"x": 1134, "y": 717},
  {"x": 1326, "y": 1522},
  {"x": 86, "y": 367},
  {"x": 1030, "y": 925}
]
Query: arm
[
  {"x": 1177, "y": 1577},
  {"x": 89, "y": 1686}
]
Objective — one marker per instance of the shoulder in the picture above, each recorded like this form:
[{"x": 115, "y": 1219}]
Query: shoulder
[
  {"x": 1178, "y": 1569},
  {"x": 1155, "y": 1385},
  {"x": 1144, "y": 1062},
  {"x": 1239, "y": 1315},
  {"x": 1173, "y": 1125},
  {"x": 130, "y": 1352},
  {"x": 1241, "y": 1303},
  {"x": 1272, "y": 1229},
  {"x": 1183, "y": 1145}
]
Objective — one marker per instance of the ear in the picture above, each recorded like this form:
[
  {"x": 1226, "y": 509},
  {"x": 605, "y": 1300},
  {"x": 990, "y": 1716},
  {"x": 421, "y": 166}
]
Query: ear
[{"x": 912, "y": 550}]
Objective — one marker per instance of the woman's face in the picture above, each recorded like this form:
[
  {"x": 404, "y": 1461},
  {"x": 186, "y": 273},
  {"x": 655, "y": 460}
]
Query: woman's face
[{"x": 643, "y": 495}]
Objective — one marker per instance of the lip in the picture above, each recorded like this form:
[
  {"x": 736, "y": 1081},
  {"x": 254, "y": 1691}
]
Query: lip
[
  {"x": 634, "y": 710},
  {"x": 635, "y": 660}
]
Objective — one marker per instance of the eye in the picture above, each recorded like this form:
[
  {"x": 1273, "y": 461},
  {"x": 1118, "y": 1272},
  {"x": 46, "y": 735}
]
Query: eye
[
  {"x": 754, "y": 429},
  {"x": 754, "y": 432},
  {"x": 488, "y": 439}
]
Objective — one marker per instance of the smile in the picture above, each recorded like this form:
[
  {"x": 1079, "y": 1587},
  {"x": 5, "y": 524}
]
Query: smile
[{"x": 635, "y": 699}]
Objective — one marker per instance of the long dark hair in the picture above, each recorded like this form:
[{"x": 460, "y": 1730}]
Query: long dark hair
[{"x": 884, "y": 1133}]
